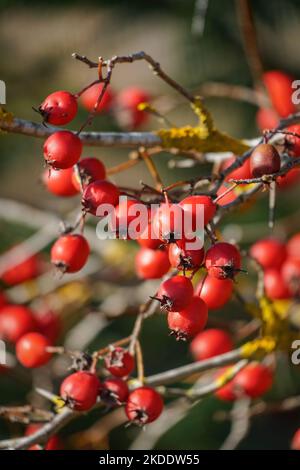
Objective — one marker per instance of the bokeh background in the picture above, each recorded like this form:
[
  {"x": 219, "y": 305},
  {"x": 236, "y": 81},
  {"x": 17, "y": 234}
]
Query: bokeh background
[{"x": 36, "y": 41}]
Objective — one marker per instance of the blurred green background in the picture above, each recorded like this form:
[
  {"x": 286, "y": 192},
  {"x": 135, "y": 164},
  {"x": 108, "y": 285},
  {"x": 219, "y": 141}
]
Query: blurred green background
[{"x": 37, "y": 40}]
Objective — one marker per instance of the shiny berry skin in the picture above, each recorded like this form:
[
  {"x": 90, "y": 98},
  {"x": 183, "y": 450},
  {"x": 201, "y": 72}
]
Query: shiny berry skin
[
  {"x": 62, "y": 150},
  {"x": 16, "y": 321},
  {"x": 223, "y": 260},
  {"x": 253, "y": 381},
  {"x": 168, "y": 222},
  {"x": 151, "y": 264},
  {"x": 114, "y": 391},
  {"x": 210, "y": 343},
  {"x": 293, "y": 246},
  {"x": 280, "y": 90},
  {"x": 290, "y": 272},
  {"x": 241, "y": 173},
  {"x": 119, "y": 362},
  {"x": 147, "y": 240},
  {"x": 269, "y": 253},
  {"x": 128, "y": 113},
  {"x": 70, "y": 253},
  {"x": 90, "y": 169},
  {"x": 266, "y": 118},
  {"x": 276, "y": 287},
  {"x": 228, "y": 198},
  {"x": 53, "y": 443},
  {"x": 292, "y": 141},
  {"x": 144, "y": 405},
  {"x": 189, "y": 321},
  {"x": 125, "y": 213},
  {"x": 190, "y": 203},
  {"x": 97, "y": 193},
  {"x": 90, "y": 96},
  {"x": 59, "y": 182},
  {"x": 28, "y": 269},
  {"x": 264, "y": 160},
  {"x": 295, "y": 444},
  {"x": 49, "y": 324},
  {"x": 59, "y": 108},
  {"x": 183, "y": 258},
  {"x": 289, "y": 179},
  {"x": 215, "y": 292},
  {"x": 175, "y": 293},
  {"x": 31, "y": 350},
  {"x": 80, "y": 390}
]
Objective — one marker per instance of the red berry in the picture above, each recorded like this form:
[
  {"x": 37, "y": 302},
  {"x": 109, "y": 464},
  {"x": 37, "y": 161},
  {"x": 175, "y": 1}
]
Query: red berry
[
  {"x": 168, "y": 222},
  {"x": 291, "y": 275},
  {"x": 59, "y": 182},
  {"x": 53, "y": 443},
  {"x": 59, "y": 108},
  {"x": 49, "y": 324},
  {"x": 80, "y": 390},
  {"x": 31, "y": 350},
  {"x": 90, "y": 96},
  {"x": 98, "y": 193},
  {"x": 144, "y": 405},
  {"x": 3, "y": 300},
  {"x": 151, "y": 264},
  {"x": 215, "y": 292},
  {"x": 225, "y": 393},
  {"x": 175, "y": 293},
  {"x": 292, "y": 141},
  {"x": 280, "y": 90},
  {"x": 184, "y": 258},
  {"x": 289, "y": 179},
  {"x": 228, "y": 198},
  {"x": 264, "y": 160},
  {"x": 15, "y": 321},
  {"x": 210, "y": 343},
  {"x": 293, "y": 246},
  {"x": 267, "y": 118},
  {"x": 62, "y": 149},
  {"x": 90, "y": 169},
  {"x": 147, "y": 240},
  {"x": 189, "y": 321},
  {"x": 119, "y": 362},
  {"x": 114, "y": 391},
  {"x": 70, "y": 253},
  {"x": 128, "y": 114},
  {"x": 269, "y": 253},
  {"x": 190, "y": 204},
  {"x": 125, "y": 213},
  {"x": 275, "y": 286},
  {"x": 21, "y": 272},
  {"x": 295, "y": 444},
  {"x": 223, "y": 260},
  {"x": 241, "y": 173}
]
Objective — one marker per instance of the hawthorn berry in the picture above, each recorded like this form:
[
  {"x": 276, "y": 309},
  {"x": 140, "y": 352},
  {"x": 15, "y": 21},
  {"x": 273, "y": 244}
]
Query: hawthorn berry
[
  {"x": 269, "y": 253},
  {"x": 114, "y": 391},
  {"x": 168, "y": 222},
  {"x": 223, "y": 260},
  {"x": 291, "y": 274},
  {"x": 189, "y": 321},
  {"x": 190, "y": 204},
  {"x": 228, "y": 197},
  {"x": 53, "y": 443},
  {"x": 293, "y": 246},
  {"x": 144, "y": 405},
  {"x": 18, "y": 273},
  {"x": 49, "y": 324},
  {"x": 210, "y": 343},
  {"x": 59, "y": 108},
  {"x": 90, "y": 97},
  {"x": 97, "y": 193},
  {"x": 31, "y": 350},
  {"x": 295, "y": 444},
  {"x": 280, "y": 89},
  {"x": 70, "y": 253},
  {"x": 119, "y": 362},
  {"x": 292, "y": 141},
  {"x": 127, "y": 211},
  {"x": 289, "y": 179},
  {"x": 80, "y": 390},
  {"x": 267, "y": 118},
  {"x": 276, "y": 287},
  {"x": 183, "y": 258},
  {"x": 215, "y": 292},
  {"x": 147, "y": 240},
  {"x": 128, "y": 113},
  {"x": 175, "y": 293},
  {"x": 16, "y": 321},
  {"x": 3, "y": 300},
  {"x": 59, "y": 182},
  {"x": 264, "y": 160},
  {"x": 151, "y": 264},
  {"x": 90, "y": 169},
  {"x": 62, "y": 150},
  {"x": 241, "y": 173}
]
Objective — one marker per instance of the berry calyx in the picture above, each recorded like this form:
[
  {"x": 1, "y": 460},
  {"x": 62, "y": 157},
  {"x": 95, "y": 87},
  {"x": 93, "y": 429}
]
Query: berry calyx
[
  {"x": 189, "y": 321},
  {"x": 175, "y": 293},
  {"x": 168, "y": 222},
  {"x": 152, "y": 264},
  {"x": 70, "y": 253},
  {"x": 210, "y": 343},
  {"x": 80, "y": 390},
  {"x": 31, "y": 350},
  {"x": 269, "y": 253},
  {"x": 264, "y": 160},
  {"x": 223, "y": 260},
  {"x": 59, "y": 108},
  {"x": 183, "y": 258},
  {"x": 59, "y": 182},
  {"x": 98, "y": 193},
  {"x": 144, "y": 405},
  {"x": 190, "y": 205},
  {"x": 114, "y": 391},
  {"x": 119, "y": 362},
  {"x": 62, "y": 150},
  {"x": 16, "y": 321},
  {"x": 90, "y": 97},
  {"x": 90, "y": 169},
  {"x": 215, "y": 292}
]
